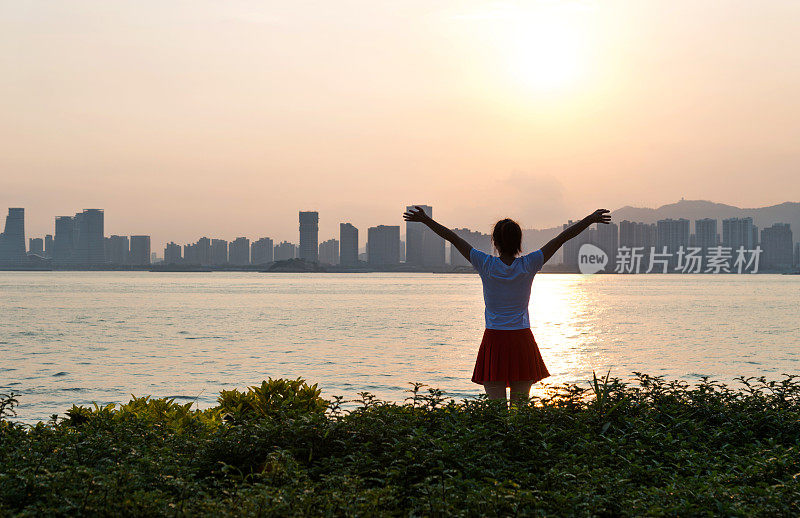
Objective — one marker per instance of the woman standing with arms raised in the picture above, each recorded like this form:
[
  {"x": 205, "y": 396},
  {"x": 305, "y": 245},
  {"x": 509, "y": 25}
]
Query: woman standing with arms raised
[{"x": 508, "y": 354}]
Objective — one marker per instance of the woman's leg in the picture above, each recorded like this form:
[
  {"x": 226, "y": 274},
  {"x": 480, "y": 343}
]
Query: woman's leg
[
  {"x": 520, "y": 390},
  {"x": 495, "y": 389}
]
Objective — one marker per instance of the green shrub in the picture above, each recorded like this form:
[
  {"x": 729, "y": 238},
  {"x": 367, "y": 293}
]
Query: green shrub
[
  {"x": 272, "y": 398},
  {"x": 7, "y": 404},
  {"x": 608, "y": 448}
]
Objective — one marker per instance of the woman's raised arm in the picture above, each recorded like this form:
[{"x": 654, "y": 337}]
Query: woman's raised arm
[
  {"x": 598, "y": 216},
  {"x": 417, "y": 214}
]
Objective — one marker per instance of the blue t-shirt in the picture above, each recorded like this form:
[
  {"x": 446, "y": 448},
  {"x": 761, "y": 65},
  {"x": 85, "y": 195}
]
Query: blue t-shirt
[{"x": 507, "y": 287}]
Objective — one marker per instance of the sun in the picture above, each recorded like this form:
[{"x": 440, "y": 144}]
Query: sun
[
  {"x": 546, "y": 50},
  {"x": 538, "y": 45}
]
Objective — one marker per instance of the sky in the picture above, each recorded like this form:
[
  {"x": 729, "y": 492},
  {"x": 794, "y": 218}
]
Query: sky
[{"x": 198, "y": 118}]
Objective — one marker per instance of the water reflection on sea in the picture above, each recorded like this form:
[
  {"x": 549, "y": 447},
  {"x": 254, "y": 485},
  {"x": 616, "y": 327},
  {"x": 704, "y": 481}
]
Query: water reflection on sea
[{"x": 78, "y": 337}]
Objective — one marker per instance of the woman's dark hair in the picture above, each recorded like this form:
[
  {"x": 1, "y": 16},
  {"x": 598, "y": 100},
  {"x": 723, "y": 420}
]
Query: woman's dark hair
[{"x": 507, "y": 237}]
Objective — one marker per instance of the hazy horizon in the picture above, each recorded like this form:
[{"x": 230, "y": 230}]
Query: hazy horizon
[
  {"x": 226, "y": 119},
  {"x": 157, "y": 246}
]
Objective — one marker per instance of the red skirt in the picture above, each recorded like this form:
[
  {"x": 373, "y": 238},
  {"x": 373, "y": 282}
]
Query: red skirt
[{"x": 509, "y": 355}]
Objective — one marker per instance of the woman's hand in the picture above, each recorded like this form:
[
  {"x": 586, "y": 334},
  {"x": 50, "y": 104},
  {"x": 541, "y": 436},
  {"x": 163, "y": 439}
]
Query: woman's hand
[
  {"x": 599, "y": 216},
  {"x": 416, "y": 214}
]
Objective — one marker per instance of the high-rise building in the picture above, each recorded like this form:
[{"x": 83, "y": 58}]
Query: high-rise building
[
  {"x": 117, "y": 249},
  {"x": 190, "y": 255},
  {"x": 140, "y": 250},
  {"x": 434, "y": 249},
  {"x": 95, "y": 230},
  {"x": 573, "y": 246},
  {"x": 569, "y": 250},
  {"x": 36, "y": 246},
  {"x": 415, "y": 237},
  {"x": 423, "y": 247},
  {"x": 203, "y": 246},
  {"x": 776, "y": 243},
  {"x": 738, "y": 232},
  {"x": 12, "y": 240},
  {"x": 219, "y": 252},
  {"x": 383, "y": 245},
  {"x": 329, "y": 251},
  {"x": 348, "y": 244},
  {"x": 285, "y": 250},
  {"x": 239, "y": 251},
  {"x": 478, "y": 240},
  {"x": 261, "y": 251},
  {"x": 88, "y": 243},
  {"x": 606, "y": 237},
  {"x": 62, "y": 243},
  {"x": 48, "y": 246},
  {"x": 309, "y": 236},
  {"x": 80, "y": 239},
  {"x": 172, "y": 253},
  {"x": 634, "y": 234},
  {"x": 672, "y": 234},
  {"x": 705, "y": 234},
  {"x": 797, "y": 255}
]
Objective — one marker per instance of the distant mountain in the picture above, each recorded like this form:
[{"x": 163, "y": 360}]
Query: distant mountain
[{"x": 788, "y": 212}]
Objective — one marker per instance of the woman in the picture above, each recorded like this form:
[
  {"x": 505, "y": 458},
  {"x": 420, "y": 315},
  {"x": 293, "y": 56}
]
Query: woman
[{"x": 508, "y": 355}]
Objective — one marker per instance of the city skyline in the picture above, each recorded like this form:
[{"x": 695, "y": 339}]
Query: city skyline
[
  {"x": 41, "y": 224},
  {"x": 329, "y": 225},
  {"x": 80, "y": 241}
]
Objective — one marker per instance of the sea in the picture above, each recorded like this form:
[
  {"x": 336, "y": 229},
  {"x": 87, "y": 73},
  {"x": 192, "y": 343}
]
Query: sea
[{"x": 99, "y": 337}]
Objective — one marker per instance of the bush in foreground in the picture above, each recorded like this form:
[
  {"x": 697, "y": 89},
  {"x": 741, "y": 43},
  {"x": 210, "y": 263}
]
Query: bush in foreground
[{"x": 612, "y": 449}]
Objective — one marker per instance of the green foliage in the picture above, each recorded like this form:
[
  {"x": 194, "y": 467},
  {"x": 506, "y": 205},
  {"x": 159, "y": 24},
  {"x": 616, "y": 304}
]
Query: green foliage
[
  {"x": 610, "y": 448},
  {"x": 272, "y": 398},
  {"x": 276, "y": 399},
  {"x": 7, "y": 404}
]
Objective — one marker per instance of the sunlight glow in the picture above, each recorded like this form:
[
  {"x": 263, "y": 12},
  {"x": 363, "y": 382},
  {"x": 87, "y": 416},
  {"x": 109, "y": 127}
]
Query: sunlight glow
[
  {"x": 546, "y": 49},
  {"x": 542, "y": 46},
  {"x": 558, "y": 311}
]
